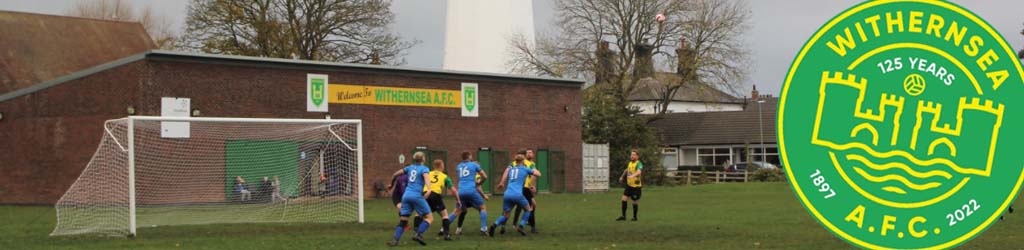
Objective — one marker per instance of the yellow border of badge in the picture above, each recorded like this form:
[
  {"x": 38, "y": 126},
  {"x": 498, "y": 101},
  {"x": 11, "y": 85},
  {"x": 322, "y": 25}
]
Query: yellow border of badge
[{"x": 782, "y": 105}]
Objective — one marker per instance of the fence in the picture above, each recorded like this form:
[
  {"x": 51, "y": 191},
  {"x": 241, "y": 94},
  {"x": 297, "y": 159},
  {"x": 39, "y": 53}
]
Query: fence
[{"x": 688, "y": 177}]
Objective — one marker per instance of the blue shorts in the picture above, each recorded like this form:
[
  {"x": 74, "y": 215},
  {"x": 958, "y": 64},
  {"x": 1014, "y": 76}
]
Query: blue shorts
[
  {"x": 471, "y": 200},
  {"x": 512, "y": 201},
  {"x": 410, "y": 203}
]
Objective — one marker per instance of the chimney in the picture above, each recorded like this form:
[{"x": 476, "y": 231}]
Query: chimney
[
  {"x": 686, "y": 60},
  {"x": 754, "y": 94},
  {"x": 644, "y": 66},
  {"x": 375, "y": 58},
  {"x": 604, "y": 67}
]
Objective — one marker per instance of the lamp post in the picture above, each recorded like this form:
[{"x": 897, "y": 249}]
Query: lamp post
[{"x": 760, "y": 121}]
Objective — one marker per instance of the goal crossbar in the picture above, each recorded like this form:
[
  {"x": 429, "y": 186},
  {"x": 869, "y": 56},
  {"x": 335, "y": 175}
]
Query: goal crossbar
[{"x": 239, "y": 119}]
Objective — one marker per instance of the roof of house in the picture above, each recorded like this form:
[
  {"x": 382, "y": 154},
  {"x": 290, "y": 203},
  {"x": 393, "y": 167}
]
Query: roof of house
[
  {"x": 35, "y": 47},
  {"x": 650, "y": 89},
  {"x": 719, "y": 128},
  {"x": 159, "y": 55}
]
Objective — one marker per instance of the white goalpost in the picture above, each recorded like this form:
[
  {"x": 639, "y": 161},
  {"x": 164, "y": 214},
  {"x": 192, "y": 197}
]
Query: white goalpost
[{"x": 158, "y": 171}]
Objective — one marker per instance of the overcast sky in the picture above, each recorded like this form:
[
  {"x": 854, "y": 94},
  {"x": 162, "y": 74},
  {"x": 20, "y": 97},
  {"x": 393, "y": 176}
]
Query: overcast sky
[{"x": 777, "y": 28}]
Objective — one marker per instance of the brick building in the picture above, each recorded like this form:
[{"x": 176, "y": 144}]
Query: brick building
[{"x": 50, "y": 130}]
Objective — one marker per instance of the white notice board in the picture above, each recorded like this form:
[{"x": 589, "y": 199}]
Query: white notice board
[{"x": 175, "y": 107}]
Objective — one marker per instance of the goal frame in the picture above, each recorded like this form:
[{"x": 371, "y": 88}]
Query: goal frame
[{"x": 131, "y": 151}]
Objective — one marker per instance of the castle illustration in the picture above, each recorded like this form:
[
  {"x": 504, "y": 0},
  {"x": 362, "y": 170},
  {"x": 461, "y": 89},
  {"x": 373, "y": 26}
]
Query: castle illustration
[{"x": 925, "y": 132}]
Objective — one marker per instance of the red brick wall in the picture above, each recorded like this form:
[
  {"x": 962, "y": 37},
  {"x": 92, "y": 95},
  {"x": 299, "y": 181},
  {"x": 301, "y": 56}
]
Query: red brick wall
[
  {"x": 46, "y": 138},
  {"x": 53, "y": 143},
  {"x": 513, "y": 115}
]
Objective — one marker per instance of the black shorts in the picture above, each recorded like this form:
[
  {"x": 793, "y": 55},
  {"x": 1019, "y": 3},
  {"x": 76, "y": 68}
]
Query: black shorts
[
  {"x": 435, "y": 202},
  {"x": 528, "y": 194},
  {"x": 633, "y": 193}
]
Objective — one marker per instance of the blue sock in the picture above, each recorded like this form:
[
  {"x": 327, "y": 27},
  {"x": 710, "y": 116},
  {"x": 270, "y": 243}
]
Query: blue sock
[
  {"x": 501, "y": 219},
  {"x": 400, "y": 229},
  {"x": 526, "y": 218},
  {"x": 452, "y": 217},
  {"x": 423, "y": 227},
  {"x": 483, "y": 219}
]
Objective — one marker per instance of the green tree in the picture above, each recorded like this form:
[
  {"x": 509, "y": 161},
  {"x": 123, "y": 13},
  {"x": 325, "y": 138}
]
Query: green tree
[
  {"x": 354, "y": 31},
  {"x": 608, "y": 119}
]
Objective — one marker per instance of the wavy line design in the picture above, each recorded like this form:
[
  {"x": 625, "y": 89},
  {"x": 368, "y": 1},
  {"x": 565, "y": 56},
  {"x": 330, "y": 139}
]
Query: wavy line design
[
  {"x": 895, "y": 204},
  {"x": 900, "y": 166},
  {"x": 893, "y": 189},
  {"x": 897, "y": 178},
  {"x": 904, "y": 154}
]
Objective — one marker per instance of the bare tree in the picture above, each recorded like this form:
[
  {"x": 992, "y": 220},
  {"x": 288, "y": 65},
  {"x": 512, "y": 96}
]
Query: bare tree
[
  {"x": 715, "y": 54},
  {"x": 158, "y": 26},
  {"x": 711, "y": 51},
  {"x": 328, "y": 30}
]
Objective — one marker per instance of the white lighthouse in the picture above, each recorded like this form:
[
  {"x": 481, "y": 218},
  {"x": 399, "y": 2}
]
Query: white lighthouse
[{"x": 477, "y": 32}]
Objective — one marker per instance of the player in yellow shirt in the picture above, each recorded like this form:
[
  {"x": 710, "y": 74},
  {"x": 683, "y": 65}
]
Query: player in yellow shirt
[
  {"x": 530, "y": 191},
  {"x": 634, "y": 183},
  {"x": 436, "y": 184}
]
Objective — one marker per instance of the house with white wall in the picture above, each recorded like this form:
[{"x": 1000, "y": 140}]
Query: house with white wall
[{"x": 714, "y": 137}]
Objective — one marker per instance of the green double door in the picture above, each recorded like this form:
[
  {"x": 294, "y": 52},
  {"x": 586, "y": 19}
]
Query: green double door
[
  {"x": 541, "y": 159},
  {"x": 485, "y": 158},
  {"x": 494, "y": 162}
]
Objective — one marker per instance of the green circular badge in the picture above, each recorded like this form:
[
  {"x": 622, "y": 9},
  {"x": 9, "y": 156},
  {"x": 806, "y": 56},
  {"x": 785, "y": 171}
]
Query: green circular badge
[{"x": 897, "y": 125}]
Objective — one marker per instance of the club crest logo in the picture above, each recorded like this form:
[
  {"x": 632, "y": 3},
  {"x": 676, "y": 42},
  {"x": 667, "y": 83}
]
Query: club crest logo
[
  {"x": 897, "y": 125},
  {"x": 316, "y": 89},
  {"x": 316, "y": 93},
  {"x": 470, "y": 98}
]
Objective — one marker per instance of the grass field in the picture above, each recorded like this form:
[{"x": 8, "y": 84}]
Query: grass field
[{"x": 719, "y": 216}]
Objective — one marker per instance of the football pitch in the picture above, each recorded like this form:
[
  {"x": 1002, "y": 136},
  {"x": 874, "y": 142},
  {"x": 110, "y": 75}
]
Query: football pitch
[{"x": 715, "y": 216}]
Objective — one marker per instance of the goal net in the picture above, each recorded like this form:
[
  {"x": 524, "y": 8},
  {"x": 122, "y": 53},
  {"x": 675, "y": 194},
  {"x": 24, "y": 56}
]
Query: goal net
[{"x": 157, "y": 171}]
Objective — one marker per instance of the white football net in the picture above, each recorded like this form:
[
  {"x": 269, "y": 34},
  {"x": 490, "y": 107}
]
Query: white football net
[{"x": 214, "y": 172}]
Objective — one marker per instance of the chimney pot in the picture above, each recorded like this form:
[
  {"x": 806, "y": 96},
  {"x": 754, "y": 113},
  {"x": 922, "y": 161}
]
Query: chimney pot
[{"x": 375, "y": 58}]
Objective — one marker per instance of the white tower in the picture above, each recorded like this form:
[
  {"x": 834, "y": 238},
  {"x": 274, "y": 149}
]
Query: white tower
[{"x": 477, "y": 32}]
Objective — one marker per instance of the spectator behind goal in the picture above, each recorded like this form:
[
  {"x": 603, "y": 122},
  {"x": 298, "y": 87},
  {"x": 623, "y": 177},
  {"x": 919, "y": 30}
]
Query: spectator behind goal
[{"x": 241, "y": 191}]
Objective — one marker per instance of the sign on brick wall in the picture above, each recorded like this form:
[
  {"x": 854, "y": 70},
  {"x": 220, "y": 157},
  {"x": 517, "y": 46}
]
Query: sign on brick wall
[
  {"x": 470, "y": 100},
  {"x": 467, "y": 98},
  {"x": 175, "y": 107},
  {"x": 316, "y": 93},
  {"x": 394, "y": 96}
]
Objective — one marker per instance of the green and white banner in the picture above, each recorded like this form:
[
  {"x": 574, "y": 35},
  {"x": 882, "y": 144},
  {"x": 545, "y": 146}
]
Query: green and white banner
[
  {"x": 470, "y": 100},
  {"x": 316, "y": 93}
]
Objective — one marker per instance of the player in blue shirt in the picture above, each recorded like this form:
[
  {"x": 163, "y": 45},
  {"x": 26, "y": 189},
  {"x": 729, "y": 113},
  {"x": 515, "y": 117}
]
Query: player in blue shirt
[
  {"x": 467, "y": 172},
  {"x": 516, "y": 178},
  {"x": 414, "y": 199}
]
